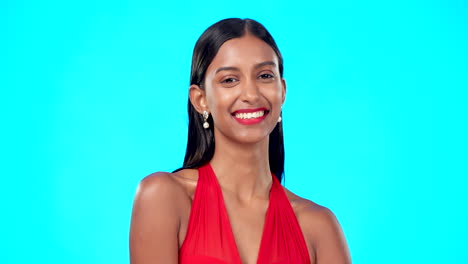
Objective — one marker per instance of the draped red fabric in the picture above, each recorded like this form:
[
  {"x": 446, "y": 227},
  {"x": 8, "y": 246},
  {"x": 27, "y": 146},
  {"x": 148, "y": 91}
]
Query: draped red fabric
[{"x": 210, "y": 240}]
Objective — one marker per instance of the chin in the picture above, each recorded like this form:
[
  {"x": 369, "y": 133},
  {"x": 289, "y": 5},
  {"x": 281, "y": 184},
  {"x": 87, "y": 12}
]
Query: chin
[
  {"x": 243, "y": 136},
  {"x": 251, "y": 138}
]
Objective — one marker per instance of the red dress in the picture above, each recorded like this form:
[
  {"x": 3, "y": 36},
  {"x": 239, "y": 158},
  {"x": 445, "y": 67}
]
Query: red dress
[{"x": 210, "y": 240}]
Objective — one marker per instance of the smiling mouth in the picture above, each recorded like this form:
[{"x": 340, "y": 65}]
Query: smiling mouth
[{"x": 250, "y": 116}]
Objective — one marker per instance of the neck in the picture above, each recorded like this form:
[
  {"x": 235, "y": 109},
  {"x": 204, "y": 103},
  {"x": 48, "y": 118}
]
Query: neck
[{"x": 243, "y": 169}]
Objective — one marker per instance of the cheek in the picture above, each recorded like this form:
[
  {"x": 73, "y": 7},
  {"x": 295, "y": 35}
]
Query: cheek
[
  {"x": 274, "y": 94},
  {"x": 219, "y": 100}
]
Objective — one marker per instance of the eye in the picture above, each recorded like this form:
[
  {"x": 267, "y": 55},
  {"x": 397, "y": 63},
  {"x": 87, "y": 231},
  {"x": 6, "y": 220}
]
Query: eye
[
  {"x": 229, "y": 80},
  {"x": 266, "y": 76}
]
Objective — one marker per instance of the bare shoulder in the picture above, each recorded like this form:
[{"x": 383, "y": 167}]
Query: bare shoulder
[
  {"x": 167, "y": 185},
  {"x": 302, "y": 205},
  {"x": 160, "y": 205},
  {"x": 311, "y": 216},
  {"x": 158, "y": 197},
  {"x": 171, "y": 192},
  {"x": 156, "y": 184},
  {"x": 321, "y": 230}
]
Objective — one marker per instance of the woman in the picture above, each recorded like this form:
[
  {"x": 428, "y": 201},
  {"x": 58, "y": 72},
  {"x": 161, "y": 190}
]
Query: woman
[{"x": 226, "y": 204}]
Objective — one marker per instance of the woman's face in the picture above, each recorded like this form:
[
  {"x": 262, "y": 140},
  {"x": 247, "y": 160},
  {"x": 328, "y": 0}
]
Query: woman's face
[{"x": 244, "y": 91}]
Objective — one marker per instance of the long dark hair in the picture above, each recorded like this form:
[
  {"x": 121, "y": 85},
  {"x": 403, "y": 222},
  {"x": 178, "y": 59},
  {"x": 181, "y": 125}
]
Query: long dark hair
[{"x": 201, "y": 143}]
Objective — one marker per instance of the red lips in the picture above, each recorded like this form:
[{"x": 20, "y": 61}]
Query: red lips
[
  {"x": 250, "y": 110},
  {"x": 250, "y": 121}
]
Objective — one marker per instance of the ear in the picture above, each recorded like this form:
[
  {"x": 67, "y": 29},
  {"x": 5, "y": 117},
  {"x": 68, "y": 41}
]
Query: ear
[
  {"x": 283, "y": 82},
  {"x": 198, "y": 98}
]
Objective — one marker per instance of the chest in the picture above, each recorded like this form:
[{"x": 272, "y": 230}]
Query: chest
[
  {"x": 221, "y": 230},
  {"x": 247, "y": 224}
]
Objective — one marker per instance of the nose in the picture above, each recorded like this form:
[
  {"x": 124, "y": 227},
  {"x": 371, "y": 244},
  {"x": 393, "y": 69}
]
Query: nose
[{"x": 250, "y": 92}]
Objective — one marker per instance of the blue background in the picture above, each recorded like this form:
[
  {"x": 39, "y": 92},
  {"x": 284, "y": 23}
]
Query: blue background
[{"x": 93, "y": 98}]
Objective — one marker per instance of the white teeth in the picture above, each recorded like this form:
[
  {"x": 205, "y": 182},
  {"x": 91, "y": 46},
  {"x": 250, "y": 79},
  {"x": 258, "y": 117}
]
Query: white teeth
[{"x": 250, "y": 115}]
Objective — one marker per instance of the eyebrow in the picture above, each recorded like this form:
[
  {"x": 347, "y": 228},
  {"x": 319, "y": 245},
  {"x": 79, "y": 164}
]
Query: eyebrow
[{"x": 231, "y": 68}]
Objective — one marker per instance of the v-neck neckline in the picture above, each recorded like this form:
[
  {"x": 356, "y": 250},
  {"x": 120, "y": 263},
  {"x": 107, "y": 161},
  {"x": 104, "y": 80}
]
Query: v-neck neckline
[{"x": 226, "y": 215}]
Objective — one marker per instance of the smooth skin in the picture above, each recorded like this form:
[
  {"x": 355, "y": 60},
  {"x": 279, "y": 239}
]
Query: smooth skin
[{"x": 244, "y": 74}]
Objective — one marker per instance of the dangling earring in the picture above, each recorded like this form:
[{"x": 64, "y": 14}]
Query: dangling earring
[
  {"x": 281, "y": 112},
  {"x": 206, "y": 125}
]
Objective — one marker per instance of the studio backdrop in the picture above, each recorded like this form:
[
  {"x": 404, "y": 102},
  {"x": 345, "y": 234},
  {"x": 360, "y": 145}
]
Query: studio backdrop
[{"x": 94, "y": 93}]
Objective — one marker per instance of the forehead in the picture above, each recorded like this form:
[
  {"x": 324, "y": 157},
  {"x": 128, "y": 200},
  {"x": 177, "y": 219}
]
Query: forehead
[{"x": 242, "y": 52}]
